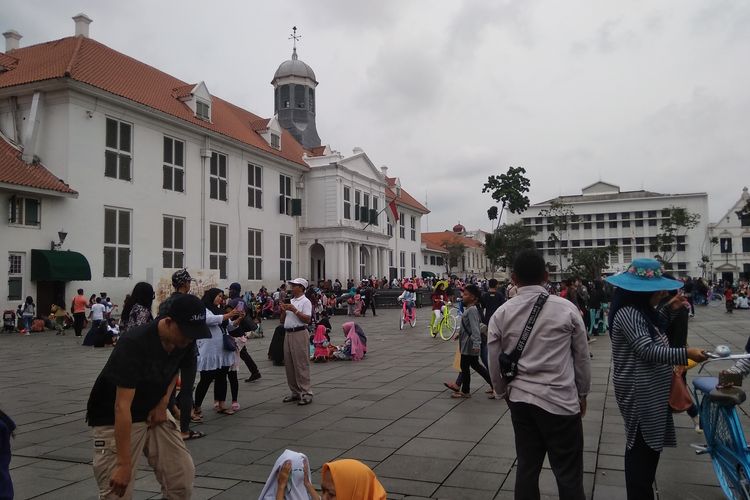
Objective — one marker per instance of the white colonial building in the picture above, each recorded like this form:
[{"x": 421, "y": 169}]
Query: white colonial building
[
  {"x": 472, "y": 261},
  {"x": 140, "y": 173},
  {"x": 628, "y": 220},
  {"x": 730, "y": 244}
]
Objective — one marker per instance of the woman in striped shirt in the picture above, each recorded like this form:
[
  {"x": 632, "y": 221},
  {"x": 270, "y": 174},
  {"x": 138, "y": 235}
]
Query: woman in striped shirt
[{"x": 642, "y": 372}]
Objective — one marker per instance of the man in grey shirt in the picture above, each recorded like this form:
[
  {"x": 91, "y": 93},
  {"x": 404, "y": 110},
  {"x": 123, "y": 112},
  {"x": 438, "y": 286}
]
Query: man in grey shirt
[{"x": 547, "y": 397}]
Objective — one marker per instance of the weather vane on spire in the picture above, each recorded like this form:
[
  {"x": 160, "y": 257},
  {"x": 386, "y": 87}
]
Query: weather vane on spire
[{"x": 294, "y": 36}]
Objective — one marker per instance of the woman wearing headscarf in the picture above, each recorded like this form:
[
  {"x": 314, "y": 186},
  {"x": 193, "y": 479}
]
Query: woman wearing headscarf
[
  {"x": 643, "y": 366},
  {"x": 355, "y": 347},
  {"x": 136, "y": 310},
  {"x": 213, "y": 360},
  {"x": 345, "y": 479}
]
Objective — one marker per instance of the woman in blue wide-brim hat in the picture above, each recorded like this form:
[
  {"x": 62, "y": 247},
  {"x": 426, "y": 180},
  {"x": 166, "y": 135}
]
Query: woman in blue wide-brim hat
[{"x": 642, "y": 372}]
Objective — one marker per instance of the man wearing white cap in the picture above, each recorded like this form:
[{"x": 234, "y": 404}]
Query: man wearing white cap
[{"x": 296, "y": 316}]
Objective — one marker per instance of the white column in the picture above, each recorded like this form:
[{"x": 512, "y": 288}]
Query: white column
[
  {"x": 375, "y": 258},
  {"x": 357, "y": 262},
  {"x": 342, "y": 266}
]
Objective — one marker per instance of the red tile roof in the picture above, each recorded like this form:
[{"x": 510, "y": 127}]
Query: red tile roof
[
  {"x": 430, "y": 245},
  {"x": 7, "y": 62},
  {"x": 15, "y": 171},
  {"x": 404, "y": 199},
  {"x": 90, "y": 62},
  {"x": 317, "y": 151},
  {"x": 440, "y": 239}
]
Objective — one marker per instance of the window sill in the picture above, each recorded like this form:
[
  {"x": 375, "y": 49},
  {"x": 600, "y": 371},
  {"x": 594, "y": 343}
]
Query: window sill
[{"x": 24, "y": 226}]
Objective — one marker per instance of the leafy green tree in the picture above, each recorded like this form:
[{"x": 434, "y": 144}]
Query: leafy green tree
[
  {"x": 559, "y": 215},
  {"x": 508, "y": 192},
  {"x": 588, "y": 263},
  {"x": 455, "y": 251},
  {"x": 673, "y": 228},
  {"x": 502, "y": 246}
]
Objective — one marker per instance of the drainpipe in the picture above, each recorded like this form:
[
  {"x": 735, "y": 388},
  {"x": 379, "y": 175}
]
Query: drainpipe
[{"x": 205, "y": 156}]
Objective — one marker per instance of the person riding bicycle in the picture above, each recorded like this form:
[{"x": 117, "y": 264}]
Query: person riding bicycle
[
  {"x": 439, "y": 299},
  {"x": 409, "y": 297}
]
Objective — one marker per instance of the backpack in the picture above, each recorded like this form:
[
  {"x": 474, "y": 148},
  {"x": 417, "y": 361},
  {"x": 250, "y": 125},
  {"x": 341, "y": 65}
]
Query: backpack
[{"x": 37, "y": 325}]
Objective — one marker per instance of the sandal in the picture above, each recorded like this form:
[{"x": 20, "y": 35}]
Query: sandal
[
  {"x": 235, "y": 406},
  {"x": 225, "y": 411},
  {"x": 193, "y": 435},
  {"x": 453, "y": 387},
  {"x": 489, "y": 391},
  {"x": 460, "y": 395},
  {"x": 197, "y": 416}
]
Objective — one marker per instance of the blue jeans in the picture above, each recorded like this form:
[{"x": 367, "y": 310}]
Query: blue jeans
[{"x": 27, "y": 320}]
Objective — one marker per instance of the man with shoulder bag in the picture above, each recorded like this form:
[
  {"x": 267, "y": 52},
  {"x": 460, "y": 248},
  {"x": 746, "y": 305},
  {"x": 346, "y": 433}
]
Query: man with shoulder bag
[{"x": 539, "y": 362}]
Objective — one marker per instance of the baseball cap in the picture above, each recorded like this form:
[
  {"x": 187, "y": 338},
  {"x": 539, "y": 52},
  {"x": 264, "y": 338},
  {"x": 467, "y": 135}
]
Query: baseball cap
[
  {"x": 181, "y": 277},
  {"x": 189, "y": 312},
  {"x": 299, "y": 281}
]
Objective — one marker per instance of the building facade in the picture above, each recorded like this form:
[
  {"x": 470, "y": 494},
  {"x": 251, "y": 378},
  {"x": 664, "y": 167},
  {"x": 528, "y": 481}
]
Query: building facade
[
  {"x": 627, "y": 220},
  {"x": 730, "y": 244},
  {"x": 144, "y": 173},
  {"x": 472, "y": 261}
]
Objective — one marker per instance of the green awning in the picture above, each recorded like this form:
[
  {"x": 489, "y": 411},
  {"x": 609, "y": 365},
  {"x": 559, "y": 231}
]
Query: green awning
[
  {"x": 428, "y": 274},
  {"x": 56, "y": 265}
]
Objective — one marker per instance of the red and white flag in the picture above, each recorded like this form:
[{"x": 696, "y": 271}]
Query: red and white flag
[{"x": 394, "y": 210}]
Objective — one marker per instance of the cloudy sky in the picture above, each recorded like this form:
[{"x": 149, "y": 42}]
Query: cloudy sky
[{"x": 644, "y": 94}]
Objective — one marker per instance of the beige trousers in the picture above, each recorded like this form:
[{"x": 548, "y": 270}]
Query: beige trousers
[
  {"x": 163, "y": 447},
  {"x": 297, "y": 362}
]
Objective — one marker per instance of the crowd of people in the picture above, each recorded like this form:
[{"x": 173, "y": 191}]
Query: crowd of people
[{"x": 528, "y": 339}]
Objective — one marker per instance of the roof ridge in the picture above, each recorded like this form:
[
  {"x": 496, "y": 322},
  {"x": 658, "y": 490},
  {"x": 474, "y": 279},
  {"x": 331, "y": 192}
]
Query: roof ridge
[{"x": 73, "y": 56}]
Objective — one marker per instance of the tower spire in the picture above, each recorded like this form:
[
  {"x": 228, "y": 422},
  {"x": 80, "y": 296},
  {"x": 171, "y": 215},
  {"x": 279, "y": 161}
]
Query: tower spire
[{"x": 295, "y": 38}]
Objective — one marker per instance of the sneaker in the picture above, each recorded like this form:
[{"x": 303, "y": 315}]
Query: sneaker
[
  {"x": 698, "y": 429},
  {"x": 27, "y": 334}
]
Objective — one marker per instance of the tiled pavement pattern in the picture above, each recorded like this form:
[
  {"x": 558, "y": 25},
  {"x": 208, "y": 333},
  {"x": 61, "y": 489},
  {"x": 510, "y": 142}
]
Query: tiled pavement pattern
[{"x": 389, "y": 411}]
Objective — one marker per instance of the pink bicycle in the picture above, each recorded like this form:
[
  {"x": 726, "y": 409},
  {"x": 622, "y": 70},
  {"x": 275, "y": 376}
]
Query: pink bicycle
[{"x": 407, "y": 316}]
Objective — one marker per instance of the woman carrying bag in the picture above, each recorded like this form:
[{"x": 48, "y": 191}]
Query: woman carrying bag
[{"x": 643, "y": 368}]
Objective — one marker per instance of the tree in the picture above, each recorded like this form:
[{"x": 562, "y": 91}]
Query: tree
[
  {"x": 455, "y": 251},
  {"x": 589, "y": 263},
  {"x": 502, "y": 246},
  {"x": 672, "y": 232},
  {"x": 559, "y": 216},
  {"x": 507, "y": 190}
]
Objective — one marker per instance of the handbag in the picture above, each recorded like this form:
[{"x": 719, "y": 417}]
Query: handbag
[
  {"x": 509, "y": 361},
  {"x": 229, "y": 344},
  {"x": 679, "y": 394}
]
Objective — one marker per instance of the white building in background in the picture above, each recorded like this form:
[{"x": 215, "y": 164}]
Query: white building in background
[
  {"x": 145, "y": 173},
  {"x": 629, "y": 220},
  {"x": 730, "y": 254},
  {"x": 472, "y": 262}
]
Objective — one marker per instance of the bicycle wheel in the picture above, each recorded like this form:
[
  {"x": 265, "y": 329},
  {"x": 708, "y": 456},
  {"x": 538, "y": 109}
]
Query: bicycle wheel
[
  {"x": 447, "y": 327},
  {"x": 401, "y": 323},
  {"x": 413, "y": 320},
  {"x": 728, "y": 450}
]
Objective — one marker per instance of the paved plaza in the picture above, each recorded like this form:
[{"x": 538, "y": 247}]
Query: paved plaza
[{"x": 389, "y": 410}]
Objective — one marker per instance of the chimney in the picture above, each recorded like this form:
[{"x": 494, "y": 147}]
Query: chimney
[
  {"x": 384, "y": 171},
  {"x": 82, "y": 24},
  {"x": 12, "y": 37}
]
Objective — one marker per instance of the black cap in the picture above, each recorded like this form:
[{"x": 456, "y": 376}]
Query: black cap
[
  {"x": 189, "y": 312},
  {"x": 181, "y": 277}
]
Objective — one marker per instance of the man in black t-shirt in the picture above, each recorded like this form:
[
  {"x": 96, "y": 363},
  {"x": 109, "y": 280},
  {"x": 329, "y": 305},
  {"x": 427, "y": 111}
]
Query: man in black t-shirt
[
  {"x": 127, "y": 407},
  {"x": 490, "y": 301}
]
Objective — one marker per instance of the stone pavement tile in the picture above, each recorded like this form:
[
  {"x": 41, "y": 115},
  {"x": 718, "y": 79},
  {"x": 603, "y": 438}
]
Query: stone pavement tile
[
  {"x": 238, "y": 456},
  {"x": 82, "y": 490},
  {"x": 429, "y": 469},
  {"x": 17, "y": 462},
  {"x": 490, "y": 450},
  {"x": 407, "y": 426},
  {"x": 548, "y": 484},
  {"x": 71, "y": 453},
  {"x": 266, "y": 444},
  {"x": 610, "y": 462},
  {"x": 438, "y": 448},
  {"x": 408, "y": 486},
  {"x": 451, "y": 493},
  {"x": 28, "y": 482},
  {"x": 608, "y": 492},
  {"x": 75, "y": 472},
  {"x": 677, "y": 490},
  {"x": 487, "y": 464},
  {"x": 345, "y": 440},
  {"x": 669, "y": 470},
  {"x": 471, "y": 479},
  {"x": 214, "y": 483},
  {"x": 241, "y": 491},
  {"x": 364, "y": 452},
  {"x": 208, "y": 448},
  {"x": 386, "y": 440},
  {"x": 610, "y": 477}
]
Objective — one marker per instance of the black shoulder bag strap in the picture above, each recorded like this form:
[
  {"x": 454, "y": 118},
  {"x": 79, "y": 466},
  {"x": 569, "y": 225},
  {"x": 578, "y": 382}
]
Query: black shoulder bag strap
[{"x": 521, "y": 345}]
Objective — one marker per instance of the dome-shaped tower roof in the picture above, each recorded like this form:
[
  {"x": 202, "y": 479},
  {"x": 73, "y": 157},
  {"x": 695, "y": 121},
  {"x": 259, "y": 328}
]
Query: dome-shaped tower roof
[
  {"x": 294, "y": 67},
  {"x": 459, "y": 228}
]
